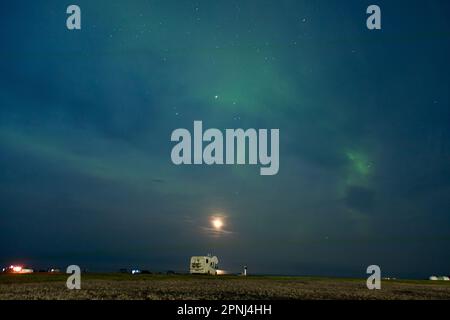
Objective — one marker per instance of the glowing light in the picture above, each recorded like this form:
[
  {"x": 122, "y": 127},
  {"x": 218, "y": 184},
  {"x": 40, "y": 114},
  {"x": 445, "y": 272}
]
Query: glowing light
[
  {"x": 217, "y": 223},
  {"x": 16, "y": 268}
]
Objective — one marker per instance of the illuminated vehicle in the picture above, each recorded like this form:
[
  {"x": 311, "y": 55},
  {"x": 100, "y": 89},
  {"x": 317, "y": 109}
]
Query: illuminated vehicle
[
  {"x": 136, "y": 271},
  {"x": 18, "y": 269},
  {"x": 204, "y": 265},
  {"x": 439, "y": 278}
]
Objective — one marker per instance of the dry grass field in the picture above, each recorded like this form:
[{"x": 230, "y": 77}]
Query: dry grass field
[{"x": 186, "y": 287}]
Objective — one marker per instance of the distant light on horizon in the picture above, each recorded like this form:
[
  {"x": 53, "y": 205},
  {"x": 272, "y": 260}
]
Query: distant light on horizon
[{"x": 16, "y": 268}]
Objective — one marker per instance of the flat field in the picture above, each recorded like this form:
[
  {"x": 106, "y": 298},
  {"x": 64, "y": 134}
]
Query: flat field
[{"x": 186, "y": 287}]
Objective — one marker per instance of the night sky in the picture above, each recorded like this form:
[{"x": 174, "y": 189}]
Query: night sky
[{"x": 86, "y": 116}]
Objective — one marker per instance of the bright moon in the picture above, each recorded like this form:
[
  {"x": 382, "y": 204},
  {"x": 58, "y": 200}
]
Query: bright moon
[{"x": 217, "y": 223}]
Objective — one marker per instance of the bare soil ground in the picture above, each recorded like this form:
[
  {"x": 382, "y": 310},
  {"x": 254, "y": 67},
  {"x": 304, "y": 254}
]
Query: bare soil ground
[{"x": 186, "y": 287}]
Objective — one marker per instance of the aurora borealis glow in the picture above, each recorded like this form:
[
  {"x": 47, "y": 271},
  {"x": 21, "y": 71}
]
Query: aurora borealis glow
[{"x": 86, "y": 116}]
